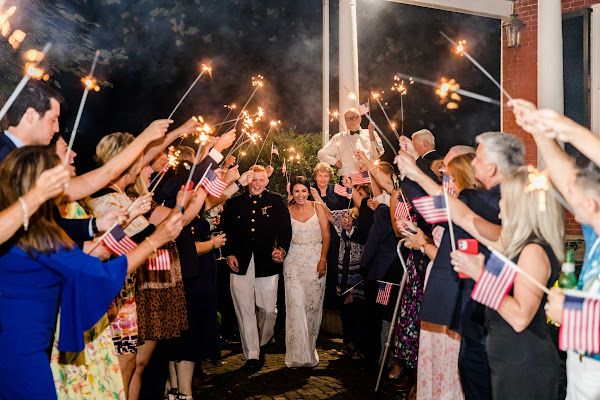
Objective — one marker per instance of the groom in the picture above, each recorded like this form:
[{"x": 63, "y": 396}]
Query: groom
[{"x": 259, "y": 231}]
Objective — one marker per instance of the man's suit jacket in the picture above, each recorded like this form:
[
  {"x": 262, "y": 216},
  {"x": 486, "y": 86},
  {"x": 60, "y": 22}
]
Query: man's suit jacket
[
  {"x": 77, "y": 229},
  {"x": 6, "y": 146},
  {"x": 446, "y": 300},
  {"x": 380, "y": 249},
  {"x": 255, "y": 225}
]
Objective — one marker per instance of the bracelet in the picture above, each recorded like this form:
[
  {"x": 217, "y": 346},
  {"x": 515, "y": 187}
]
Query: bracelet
[
  {"x": 151, "y": 244},
  {"x": 25, "y": 214},
  {"x": 94, "y": 227},
  {"x": 180, "y": 208}
]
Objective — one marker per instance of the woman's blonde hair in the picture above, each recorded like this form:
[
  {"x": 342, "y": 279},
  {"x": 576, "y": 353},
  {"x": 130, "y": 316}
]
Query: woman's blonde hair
[
  {"x": 111, "y": 145},
  {"x": 18, "y": 174},
  {"x": 523, "y": 220},
  {"x": 462, "y": 170},
  {"x": 323, "y": 167}
]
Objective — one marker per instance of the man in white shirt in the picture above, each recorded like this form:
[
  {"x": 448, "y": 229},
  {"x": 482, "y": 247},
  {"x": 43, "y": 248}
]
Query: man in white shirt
[{"x": 339, "y": 151}]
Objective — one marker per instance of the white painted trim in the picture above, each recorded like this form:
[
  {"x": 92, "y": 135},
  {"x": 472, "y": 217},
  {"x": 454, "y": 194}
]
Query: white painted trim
[
  {"x": 484, "y": 8},
  {"x": 595, "y": 67}
]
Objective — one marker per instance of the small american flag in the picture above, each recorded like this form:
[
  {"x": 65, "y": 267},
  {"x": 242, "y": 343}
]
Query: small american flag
[
  {"x": 360, "y": 178},
  {"x": 432, "y": 208},
  {"x": 383, "y": 293},
  {"x": 342, "y": 191},
  {"x": 118, "y": 242},
  {"x": 363, "y": 108},
  {"x": 446, "y": 184},
  {"x": 402, "y": 210},
  {"x": 212, "y": 183},
  {"x": 283, "y": 169},
  {"x": 445, "y": 180},
  {"x": 274, "y": 149},
  {"x": 159, "y": 261},
  {"x": 580, "y": 328},
  {"x": 497, "y": 279}
]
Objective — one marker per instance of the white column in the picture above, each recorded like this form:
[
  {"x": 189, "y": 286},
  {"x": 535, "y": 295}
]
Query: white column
[
  {"x": 325, "y": 71},
  {"x": 595, "y": 68},
  {"x": 348, "y": 56},
  {"x": 550, "y": 90}
]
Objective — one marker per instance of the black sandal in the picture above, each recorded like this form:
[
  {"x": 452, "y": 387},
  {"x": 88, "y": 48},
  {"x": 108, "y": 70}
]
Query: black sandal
[{"x": 347, "y": 352}]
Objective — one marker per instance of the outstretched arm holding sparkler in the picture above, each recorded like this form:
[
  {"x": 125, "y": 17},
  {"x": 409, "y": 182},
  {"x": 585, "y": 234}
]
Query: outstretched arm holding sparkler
[
  {"x": 486, "y": 232},
  {"x": 545, "y": 126},
  {"x": 89, "y": 183}
]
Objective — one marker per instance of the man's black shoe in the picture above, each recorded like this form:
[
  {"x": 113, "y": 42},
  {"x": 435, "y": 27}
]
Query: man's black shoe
[
  {"x": 263, "y": 351},
  {"x": 252, "y": 366}
]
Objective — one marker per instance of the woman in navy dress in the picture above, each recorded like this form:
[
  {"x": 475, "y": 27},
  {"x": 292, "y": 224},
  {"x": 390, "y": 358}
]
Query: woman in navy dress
[{"x": 41, "y": 270}]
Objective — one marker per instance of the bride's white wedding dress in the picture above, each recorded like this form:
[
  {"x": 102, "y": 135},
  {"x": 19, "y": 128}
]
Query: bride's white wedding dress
[{"x": 304, "y": 292}]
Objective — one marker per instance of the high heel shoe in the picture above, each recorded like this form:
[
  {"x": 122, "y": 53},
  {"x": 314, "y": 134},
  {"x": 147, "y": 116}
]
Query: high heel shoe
[{"x": 172, "y": 394}]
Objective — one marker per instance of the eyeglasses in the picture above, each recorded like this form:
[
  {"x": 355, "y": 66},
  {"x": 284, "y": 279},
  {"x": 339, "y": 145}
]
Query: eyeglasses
[{"x": 354, "y": 118}]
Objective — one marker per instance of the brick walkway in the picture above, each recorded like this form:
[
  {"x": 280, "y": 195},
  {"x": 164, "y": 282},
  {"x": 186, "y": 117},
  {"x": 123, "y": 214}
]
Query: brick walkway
[{"x": 334, "y": 378}]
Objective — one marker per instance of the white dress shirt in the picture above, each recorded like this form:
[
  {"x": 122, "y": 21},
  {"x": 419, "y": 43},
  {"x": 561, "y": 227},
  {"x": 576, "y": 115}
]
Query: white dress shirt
[{"x": 341, "y": 148}]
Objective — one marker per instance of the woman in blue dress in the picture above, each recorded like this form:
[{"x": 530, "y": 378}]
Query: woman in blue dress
[{"x": 42, "y": 271}]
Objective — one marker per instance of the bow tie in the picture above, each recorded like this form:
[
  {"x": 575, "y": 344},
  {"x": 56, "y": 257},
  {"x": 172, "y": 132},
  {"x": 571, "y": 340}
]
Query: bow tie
[{"x": 354, "y": 132}]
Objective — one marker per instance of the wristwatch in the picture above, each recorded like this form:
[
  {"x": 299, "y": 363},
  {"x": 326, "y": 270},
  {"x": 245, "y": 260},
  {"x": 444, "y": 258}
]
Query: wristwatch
[
  {"x": 239, "y": 185},
  {"x": 180, "y": 208},
  {"x": 422, "y": 248}
]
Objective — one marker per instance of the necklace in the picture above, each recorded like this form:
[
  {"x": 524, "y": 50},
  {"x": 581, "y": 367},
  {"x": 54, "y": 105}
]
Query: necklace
[{"x": 116, "y": 187}]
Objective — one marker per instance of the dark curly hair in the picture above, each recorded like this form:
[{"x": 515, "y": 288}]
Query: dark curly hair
[{"x": 299, "y": 180}]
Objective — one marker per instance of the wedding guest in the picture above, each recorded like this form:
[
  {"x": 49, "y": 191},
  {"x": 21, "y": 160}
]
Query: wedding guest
[
  {"x": 339, "y": 151},
  {"x": 578, "y": 183},
  {"x": 41, "y": 269}
]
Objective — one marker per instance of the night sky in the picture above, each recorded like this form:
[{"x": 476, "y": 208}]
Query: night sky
[{"x": 164, "y": 43}]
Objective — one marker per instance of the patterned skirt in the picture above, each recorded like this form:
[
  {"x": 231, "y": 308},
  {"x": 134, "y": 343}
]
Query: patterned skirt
[
  {"x": 123, "y": 318},
  {"x": 407, "y": 339},
  {"x": 91, "y": 374},
  {"x": 160, "y": 300}
]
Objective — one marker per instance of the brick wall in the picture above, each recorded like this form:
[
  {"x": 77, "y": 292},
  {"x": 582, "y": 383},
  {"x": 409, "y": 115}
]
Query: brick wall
[{"x": 519, "y": 77}]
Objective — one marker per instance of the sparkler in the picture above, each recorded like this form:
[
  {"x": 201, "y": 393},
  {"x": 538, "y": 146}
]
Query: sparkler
[
  {"x": 460, "y": 49},
  {"x": 271, "y": 125},
  {"x": 399, "y": 86},
  {"x": 173, "y": 162},
  {"x": 24, "y": 81},
  {"x": 90, "y": 84},
  {"x": 380, "y": 133},
  {"x": 448, "y": 87},
  {"x": 206, "y": 130},
  {"x": 231, "y": 108},
  {"x": 205, "y": 68},
  {"x": 538, "y": 181},
  {"x": 393, "y": 126},
  {"x": 462, "y": 92}
]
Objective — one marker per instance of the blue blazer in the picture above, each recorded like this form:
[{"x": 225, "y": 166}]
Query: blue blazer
[
  {"x": 447, "y": 298},
  {"x": 380, "y": 249},
  {"x": 6, "y": 146}
]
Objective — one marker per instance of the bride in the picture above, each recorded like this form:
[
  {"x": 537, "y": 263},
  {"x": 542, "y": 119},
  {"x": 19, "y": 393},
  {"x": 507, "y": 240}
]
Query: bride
[{"x": 304, "y": 271}]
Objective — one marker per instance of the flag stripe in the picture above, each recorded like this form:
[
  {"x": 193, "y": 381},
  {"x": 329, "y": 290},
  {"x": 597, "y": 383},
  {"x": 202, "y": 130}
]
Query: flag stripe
[
  {"x": 383, "y": 294},
  {"x": 495, "y": 282},
  {"x": 160, "y": 261},
  {"x": 342, "y": 191},
  {"x": 432, "y": 208},
  {"x": 580, "y": 329}
]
